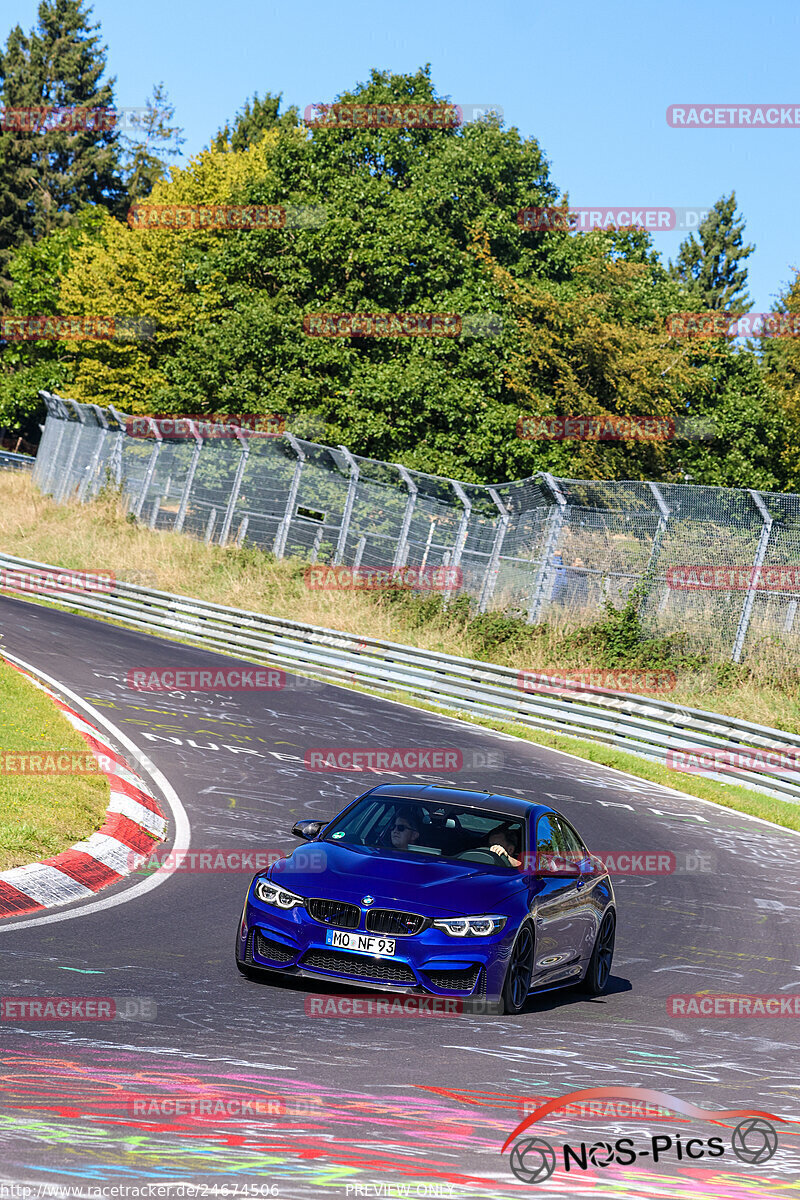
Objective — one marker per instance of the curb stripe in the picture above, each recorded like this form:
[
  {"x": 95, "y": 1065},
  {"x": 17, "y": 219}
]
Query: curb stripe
[
  {"x": 13, "y": 902},
  {"x": 84, "y": 869},
  {"x": 129, "y": 833},
  {"x": 45, "y": 883}
]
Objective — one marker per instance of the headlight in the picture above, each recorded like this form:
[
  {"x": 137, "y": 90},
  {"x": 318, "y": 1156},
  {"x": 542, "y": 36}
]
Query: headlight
[
  {"x": 270, "y": 893},
  {"x": 470, "y": 926}
]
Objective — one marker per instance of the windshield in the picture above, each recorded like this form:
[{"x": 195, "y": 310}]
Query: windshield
[{"x": 425, "y": 828}]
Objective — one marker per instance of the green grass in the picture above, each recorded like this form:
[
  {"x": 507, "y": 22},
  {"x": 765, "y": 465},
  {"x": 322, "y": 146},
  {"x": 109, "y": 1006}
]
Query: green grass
[{"x": 41, "y": 815}]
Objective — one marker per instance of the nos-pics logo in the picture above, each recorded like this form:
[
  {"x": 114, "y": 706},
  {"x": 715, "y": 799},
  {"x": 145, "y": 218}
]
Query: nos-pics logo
[{"x": 534, "y": 1159}]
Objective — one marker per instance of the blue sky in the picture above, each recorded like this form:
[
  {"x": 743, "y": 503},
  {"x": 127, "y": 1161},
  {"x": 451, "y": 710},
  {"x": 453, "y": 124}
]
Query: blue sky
[{"x": 591, "y": 81}]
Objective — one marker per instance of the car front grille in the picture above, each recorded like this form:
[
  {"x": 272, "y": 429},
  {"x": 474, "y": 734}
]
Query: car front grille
[
  {"x": 275, "y": 951},
  {"x": 454, "y": 981},
  {"x": 383, "y": 970},
  {"x": 389, "y": 920},
  {"x": 334, "y": 912}
]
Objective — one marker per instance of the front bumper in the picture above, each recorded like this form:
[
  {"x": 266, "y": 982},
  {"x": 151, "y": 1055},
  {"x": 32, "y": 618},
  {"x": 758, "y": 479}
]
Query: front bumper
[{"x": 429, "y": 963}]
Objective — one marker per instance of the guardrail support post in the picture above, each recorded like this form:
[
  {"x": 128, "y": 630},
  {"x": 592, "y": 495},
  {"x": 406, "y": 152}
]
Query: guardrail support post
[
  {"x": 758, "y": 561},
  {"x": 237, "y": 485},
  {"x": 352, "y": 487},
  {"x": 402, "y": 542},
  {"x": 493, "y": 565},
  {"x": 187, "y": 487},
  {"x": 282, "y": 534},
  {"x": 545, "y": 576}
]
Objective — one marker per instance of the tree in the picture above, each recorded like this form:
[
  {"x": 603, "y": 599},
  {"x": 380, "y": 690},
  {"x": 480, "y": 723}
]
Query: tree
[
  {"x": 253, "y": 121},
  {"x": 710, "y": 267},
  {"x": 145, "y": 154},
  {"x": 49, "y": 172}
]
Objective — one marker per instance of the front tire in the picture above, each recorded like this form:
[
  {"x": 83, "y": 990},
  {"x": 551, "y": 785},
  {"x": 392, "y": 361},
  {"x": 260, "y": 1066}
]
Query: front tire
[
  {"x": 517, "y": 982},
  {"x": 596, "y": 978}
]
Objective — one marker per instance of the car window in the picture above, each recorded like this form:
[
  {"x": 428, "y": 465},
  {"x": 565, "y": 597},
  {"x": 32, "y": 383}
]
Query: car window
[
  {"x": 571, "y": 842},
  {"x": 547, "y": 841}
]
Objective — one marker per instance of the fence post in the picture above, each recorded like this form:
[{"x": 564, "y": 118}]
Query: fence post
[
  {"x": 282, "y": 534},
  {"x": 64, "y": 484},
  {"x": 749, "y": 600},
  {"x": 136, "y": 509},
  {"x": 402, "y": 541},
  {"x": 461, "y": 537},
  {"x": 352, "y": 487},
  {"x": 493, "y": 565},
  {"x": 48, "y": 470},
  {"x": 91, "y": 473},
  {"x": 210, "y": 523},
  {"x": 545, "y": 575},
  {"x": 237, "y": 484},
  {"x": 187, "y": 487}
]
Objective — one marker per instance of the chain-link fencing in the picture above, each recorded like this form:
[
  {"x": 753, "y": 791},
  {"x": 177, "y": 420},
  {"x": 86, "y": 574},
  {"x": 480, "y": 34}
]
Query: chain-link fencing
[{"x": 721, "y": 565}]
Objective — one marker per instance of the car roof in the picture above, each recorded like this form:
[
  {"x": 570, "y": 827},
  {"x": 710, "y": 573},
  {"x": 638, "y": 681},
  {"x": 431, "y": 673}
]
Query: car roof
[{"x": 507, "y": 806}]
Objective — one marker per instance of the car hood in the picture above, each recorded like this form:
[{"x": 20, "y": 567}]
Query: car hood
[{"x": 418, "y": 884}]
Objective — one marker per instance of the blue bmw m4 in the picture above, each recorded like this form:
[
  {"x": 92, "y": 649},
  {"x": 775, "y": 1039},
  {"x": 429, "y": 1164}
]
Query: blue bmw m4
[{"x": 434, "y": 890}]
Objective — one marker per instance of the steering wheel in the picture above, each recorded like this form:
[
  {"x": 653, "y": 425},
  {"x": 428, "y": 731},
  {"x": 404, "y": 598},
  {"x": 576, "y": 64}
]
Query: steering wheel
[{"x": 480, "y": 855}]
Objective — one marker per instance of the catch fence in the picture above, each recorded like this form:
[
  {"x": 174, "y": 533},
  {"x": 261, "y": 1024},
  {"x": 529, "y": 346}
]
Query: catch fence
[{"x": 555, "y": 549}]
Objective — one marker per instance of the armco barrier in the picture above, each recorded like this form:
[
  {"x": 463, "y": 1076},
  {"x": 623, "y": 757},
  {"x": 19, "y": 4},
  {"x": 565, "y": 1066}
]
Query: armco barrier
[
  {"x": 638, "y": 724},
  {"x": 19, "y": 462}
]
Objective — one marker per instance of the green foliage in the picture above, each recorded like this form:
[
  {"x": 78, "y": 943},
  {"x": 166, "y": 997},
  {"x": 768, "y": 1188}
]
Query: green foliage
[
  {"x": 146, "y": 154},
  {"x": 711, "y": 267},
  {"x": 47, "y": 176}
]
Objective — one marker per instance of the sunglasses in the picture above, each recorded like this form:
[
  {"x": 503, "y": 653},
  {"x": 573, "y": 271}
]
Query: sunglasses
[{"x": 402, "y": 827}]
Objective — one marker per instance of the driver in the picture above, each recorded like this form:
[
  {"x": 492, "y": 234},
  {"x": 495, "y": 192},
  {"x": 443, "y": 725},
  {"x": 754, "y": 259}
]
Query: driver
[
  {"x": 405, "y": 830},
  {"x": 504, "y": 844}
]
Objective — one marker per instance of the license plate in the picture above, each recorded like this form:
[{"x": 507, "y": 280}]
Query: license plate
[{"x": 359, "y": 941}]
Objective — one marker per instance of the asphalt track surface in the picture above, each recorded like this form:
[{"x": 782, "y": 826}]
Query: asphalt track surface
[{"x": 367, "y": 1106}]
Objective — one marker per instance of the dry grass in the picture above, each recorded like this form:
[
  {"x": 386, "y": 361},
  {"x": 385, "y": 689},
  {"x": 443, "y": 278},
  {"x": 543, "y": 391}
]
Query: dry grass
[
  {"x": 99, "y": 537},
  {"x": 41, "y": 815}
]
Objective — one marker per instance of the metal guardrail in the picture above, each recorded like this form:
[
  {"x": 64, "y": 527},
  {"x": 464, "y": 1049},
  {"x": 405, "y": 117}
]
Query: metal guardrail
[
  {"x": 640, "y": 725},
  {"x": 23, "y": 462}
]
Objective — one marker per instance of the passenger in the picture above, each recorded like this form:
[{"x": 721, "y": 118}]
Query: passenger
[
  {"x": 405, "y": 829},
  {"x": 505, "y": 845}
]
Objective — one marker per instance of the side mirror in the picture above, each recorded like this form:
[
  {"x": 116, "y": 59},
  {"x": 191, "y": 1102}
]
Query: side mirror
[{"x": 308, "y": 830}]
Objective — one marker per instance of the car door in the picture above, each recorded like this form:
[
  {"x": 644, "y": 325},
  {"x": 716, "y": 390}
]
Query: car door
[{"x": 555, "y": 905}]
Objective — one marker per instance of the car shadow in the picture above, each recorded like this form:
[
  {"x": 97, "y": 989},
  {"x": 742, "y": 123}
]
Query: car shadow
[{"x": 545, "y": 1001}]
